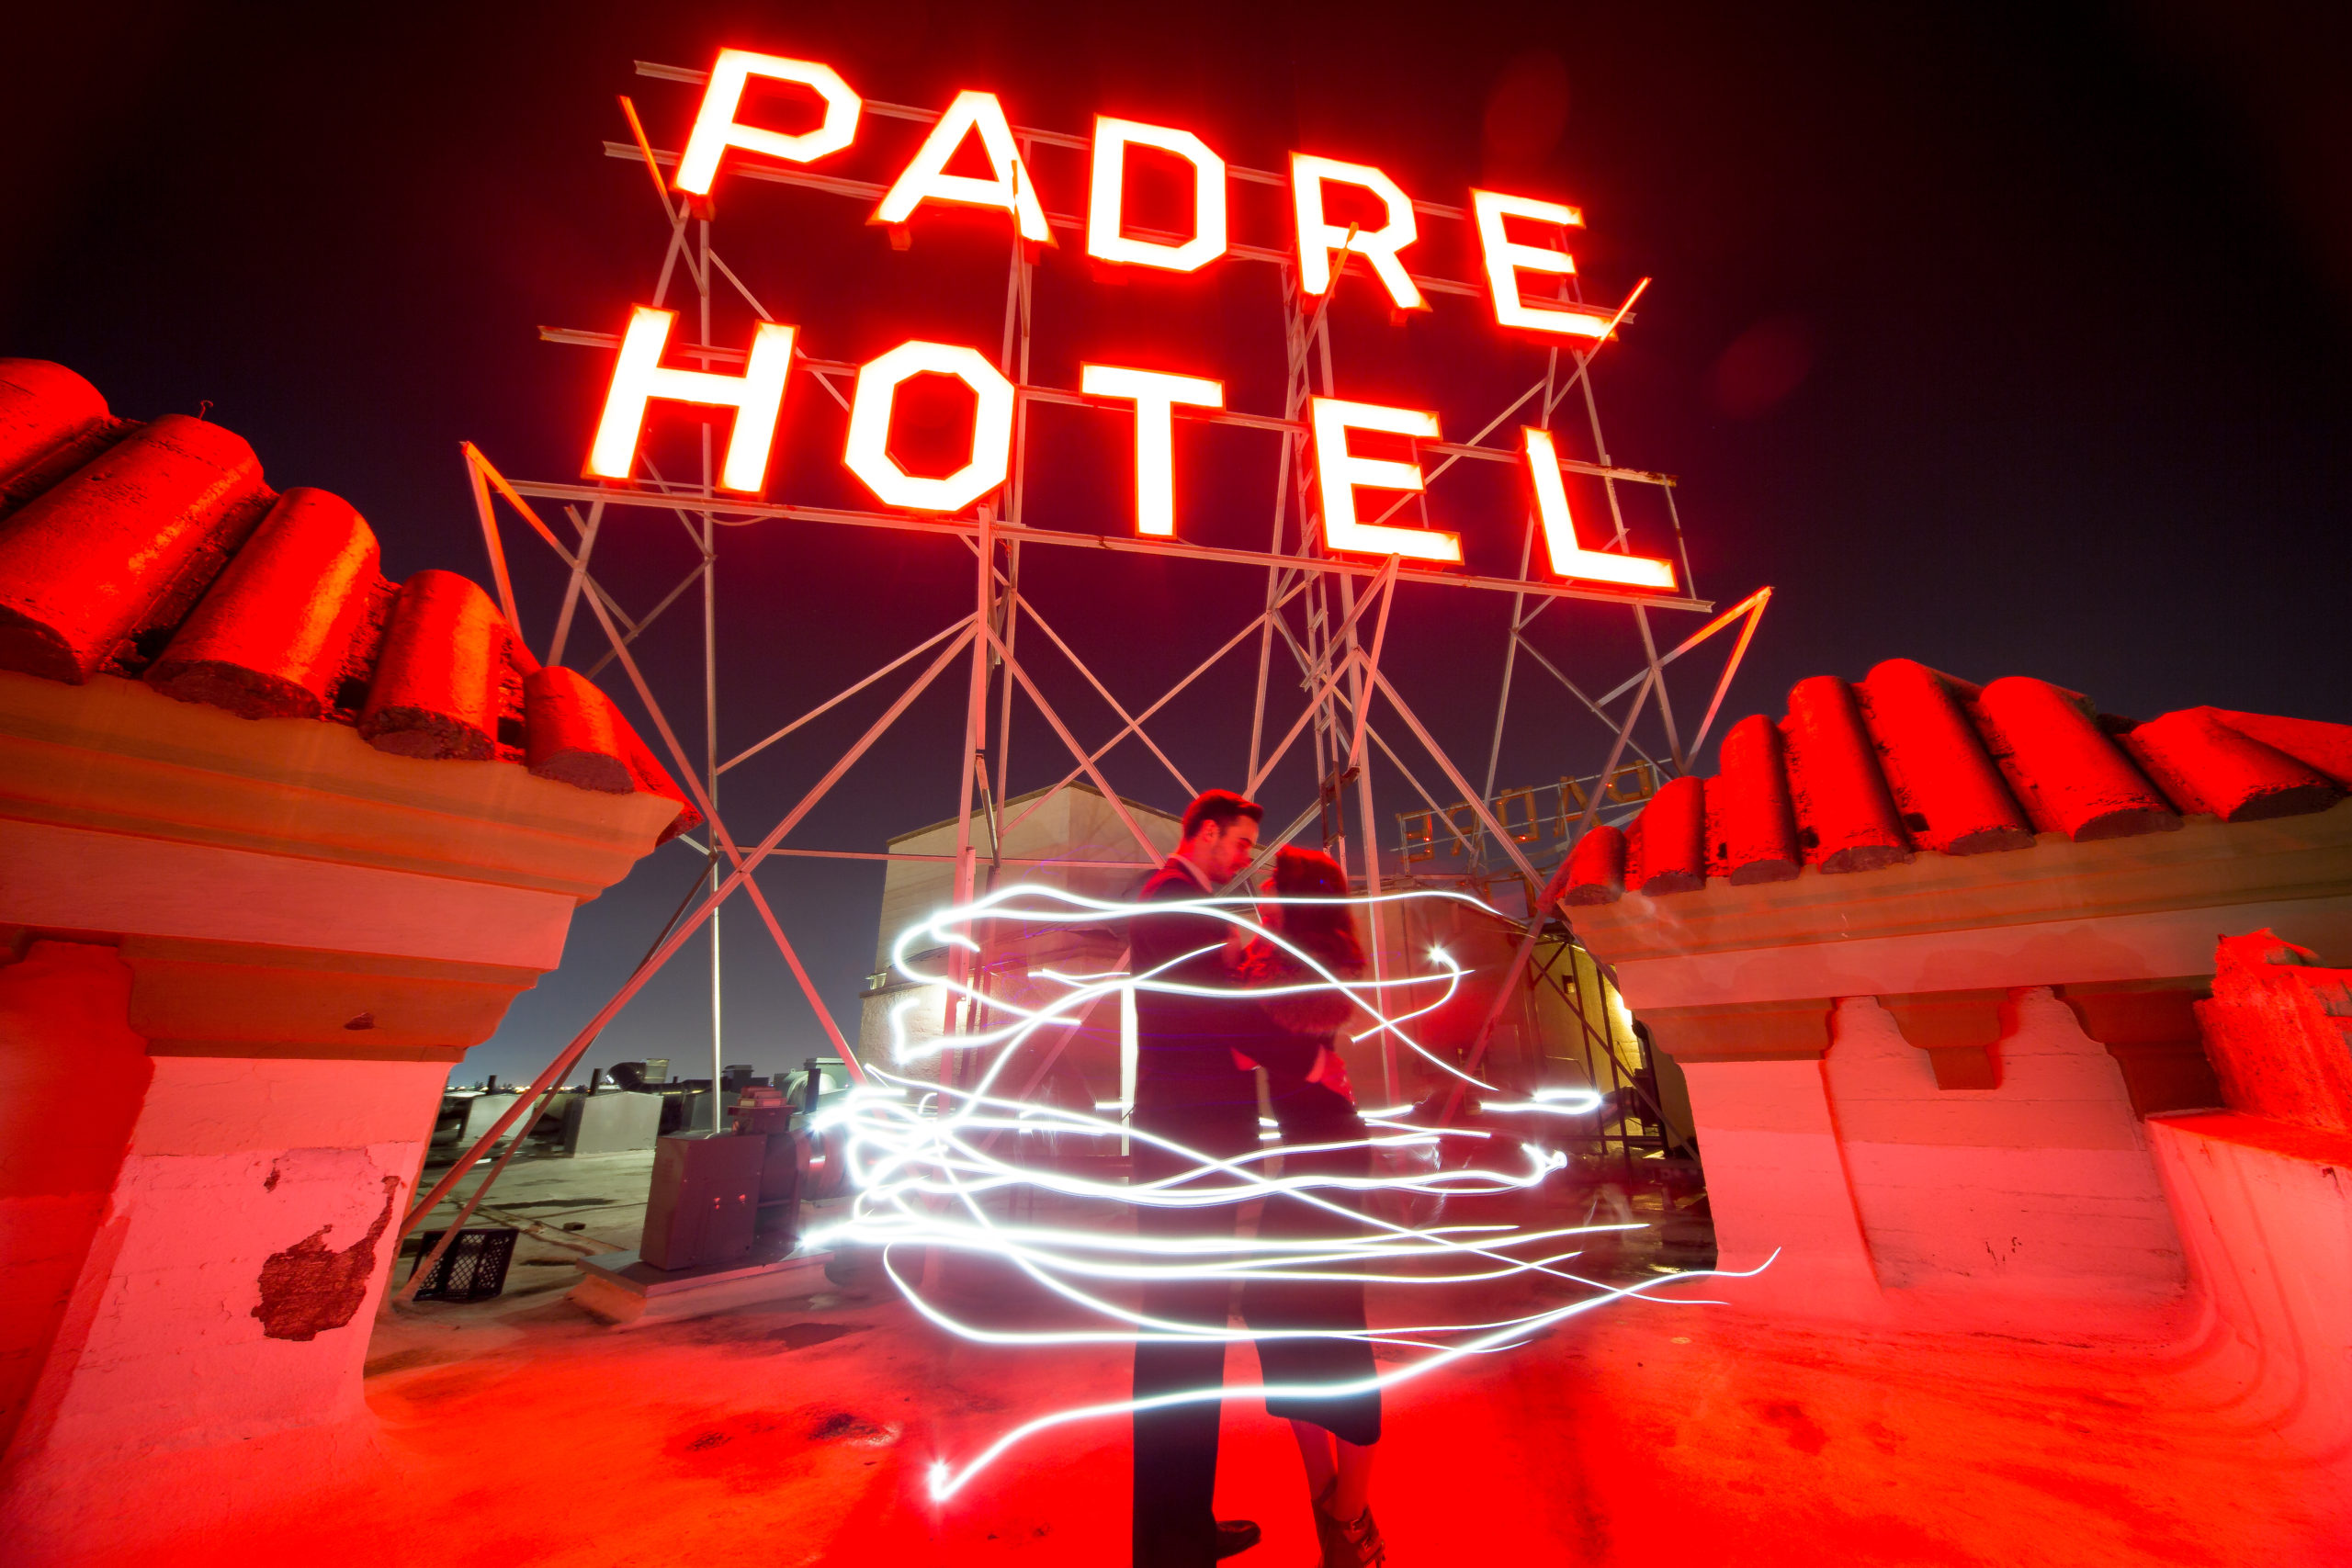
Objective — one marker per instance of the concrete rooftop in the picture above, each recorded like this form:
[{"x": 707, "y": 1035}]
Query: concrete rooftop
[{"x": 523, "y": 1432}]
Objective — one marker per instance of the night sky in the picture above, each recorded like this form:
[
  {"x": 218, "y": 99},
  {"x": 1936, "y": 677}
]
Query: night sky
[{"x": 2013, "y": 341}]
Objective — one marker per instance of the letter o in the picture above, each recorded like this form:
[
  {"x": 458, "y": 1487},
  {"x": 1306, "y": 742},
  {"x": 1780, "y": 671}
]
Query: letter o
[{"x": 868, "y": 453}]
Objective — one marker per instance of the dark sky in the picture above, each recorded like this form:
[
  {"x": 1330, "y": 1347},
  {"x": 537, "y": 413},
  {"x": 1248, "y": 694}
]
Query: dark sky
[{"x": 2012, "y": 340}]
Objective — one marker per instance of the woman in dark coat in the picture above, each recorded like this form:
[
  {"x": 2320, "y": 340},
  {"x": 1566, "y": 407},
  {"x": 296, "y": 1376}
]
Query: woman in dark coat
[{"x": 1314, "y": 1108}]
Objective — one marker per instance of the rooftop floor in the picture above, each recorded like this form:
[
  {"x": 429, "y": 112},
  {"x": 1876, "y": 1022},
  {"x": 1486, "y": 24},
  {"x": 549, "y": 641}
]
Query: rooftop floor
[
  {"x": 541, "y": 1194},
  {"x": 522, "y": 1432}
]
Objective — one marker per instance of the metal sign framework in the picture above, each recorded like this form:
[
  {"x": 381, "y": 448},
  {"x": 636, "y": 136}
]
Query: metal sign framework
[{"x": 1328, "y": 617}]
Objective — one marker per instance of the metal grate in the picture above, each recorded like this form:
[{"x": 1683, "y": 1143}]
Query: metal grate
[{"x": 473, "y": 1269}]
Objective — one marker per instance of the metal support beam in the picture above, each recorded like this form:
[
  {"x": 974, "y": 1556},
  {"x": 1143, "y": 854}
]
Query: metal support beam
[{"x": 1313, "y": 601}]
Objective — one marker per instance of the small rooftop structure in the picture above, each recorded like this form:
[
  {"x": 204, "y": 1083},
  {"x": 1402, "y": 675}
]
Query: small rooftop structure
[{"x": 1071, "y": 838}]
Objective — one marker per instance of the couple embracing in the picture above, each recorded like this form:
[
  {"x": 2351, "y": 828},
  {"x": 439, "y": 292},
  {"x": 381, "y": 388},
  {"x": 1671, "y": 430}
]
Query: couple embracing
[{"x": 1237, "y": 1005}]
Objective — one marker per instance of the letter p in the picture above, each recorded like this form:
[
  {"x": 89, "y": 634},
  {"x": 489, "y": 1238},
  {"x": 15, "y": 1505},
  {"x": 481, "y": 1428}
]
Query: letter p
[{"x": 715, "y": 128}]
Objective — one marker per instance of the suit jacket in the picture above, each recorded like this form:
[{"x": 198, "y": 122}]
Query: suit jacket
[{"x": 1187, "y": 1085}]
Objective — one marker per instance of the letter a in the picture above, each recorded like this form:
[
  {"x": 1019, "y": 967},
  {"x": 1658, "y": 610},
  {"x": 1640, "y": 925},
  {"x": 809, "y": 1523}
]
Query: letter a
[{"x": 1009, "y": 188}]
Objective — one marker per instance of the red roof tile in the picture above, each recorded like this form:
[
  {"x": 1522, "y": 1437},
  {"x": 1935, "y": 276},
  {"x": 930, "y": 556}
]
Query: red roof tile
[
  {"x": 1846, "y": 818},
  {"x": 1858, "y": 777},
  {"x": 1751, "y": 822},
  {"x": 154, "y": 551}
]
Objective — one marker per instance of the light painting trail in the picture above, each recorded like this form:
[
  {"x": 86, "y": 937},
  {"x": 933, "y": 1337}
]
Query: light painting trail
[{"x": 923, "y": 1160}]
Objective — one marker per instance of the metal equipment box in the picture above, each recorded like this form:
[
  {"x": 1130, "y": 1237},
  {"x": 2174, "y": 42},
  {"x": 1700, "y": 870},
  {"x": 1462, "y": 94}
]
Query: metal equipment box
[
  {"x": 483, "y": 1110},
  {"x": 780, "y": 1174},
  {"x": 610, "y": 1123},
  {"x": 705, "y": 1200}
]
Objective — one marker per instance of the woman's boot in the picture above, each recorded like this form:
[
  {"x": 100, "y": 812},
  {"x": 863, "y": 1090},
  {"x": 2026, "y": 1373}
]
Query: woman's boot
[{"x": 1348, "y": 1543}]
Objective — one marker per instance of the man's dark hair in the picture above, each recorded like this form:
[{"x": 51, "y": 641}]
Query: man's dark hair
[{"x": 1223, "y": 807}]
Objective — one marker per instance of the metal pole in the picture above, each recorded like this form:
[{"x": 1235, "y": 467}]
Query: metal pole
[
  {"x": 1014, "y": 361},
  {"x": 710, "y": 715},
  {"x": 1554, "y": 890},
  {"x": 711, "y": 784},
  {"x": 1291, "y": 465},
  {"x": 976, "y": 718},
  {"x": 587, "y": 530},
  {"x": 1518, "y": 602},
  {"x": 1135, "y": 725},
  {"x": 1367, "y": 825},
  {"x": 1328, "y": 654},
  {"x": 1097, "y": 544},
  {"x": 570, "y": 1056},
  {"x": 1641, "y": 616}
]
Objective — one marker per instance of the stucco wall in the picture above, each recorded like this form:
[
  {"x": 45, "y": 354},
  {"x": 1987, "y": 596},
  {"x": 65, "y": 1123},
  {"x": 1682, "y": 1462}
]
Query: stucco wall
[
  {"x": 1868, "y": 1179},
  {"x": 253, "y": 1205},
  {"x": 191, "y": 1248},
  {"x": 71, "y": 1077},
  {"x": 2266, "y": 1208},
  {"x": 1778, "y": 1188},
  {"x": 2043, "y": 1184}
]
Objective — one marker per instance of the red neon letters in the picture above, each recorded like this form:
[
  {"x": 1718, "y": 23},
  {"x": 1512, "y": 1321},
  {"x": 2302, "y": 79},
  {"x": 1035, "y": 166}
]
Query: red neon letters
[
  {"x": 716, "y": 130},
  {"x": 1569, "y": 559},
  {"x": 868, "y": 452},
  {"x": 1106, "y": 202},
  {"x": 1505, "y": 260},
  {"x": 1319, "y": 236},
  {"x": 1009, "y": 188},
  {"x": 1338, "y": 472},
  {"x": 757, "y": 397},
  {"x": 1156, "y": 395}
]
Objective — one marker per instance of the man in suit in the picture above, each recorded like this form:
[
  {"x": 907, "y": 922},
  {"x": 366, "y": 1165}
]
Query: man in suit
[{"x": 1191, "y": 1091}]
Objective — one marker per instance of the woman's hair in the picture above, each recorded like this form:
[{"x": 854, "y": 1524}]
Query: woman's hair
[{"x": 1327, "y": 930}]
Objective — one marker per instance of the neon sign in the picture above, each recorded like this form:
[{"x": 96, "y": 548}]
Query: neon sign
[
  {"x": 1319, "y": 237},
  {"x": 973, "y": 126},
  {"x": 1106, "y": 207},
  {"x": 1338, "y": 472},
  {"x": 1008, "y": 187},
  {"x": 868, "y": 455},
  {"x": 1156, "y": 396}
]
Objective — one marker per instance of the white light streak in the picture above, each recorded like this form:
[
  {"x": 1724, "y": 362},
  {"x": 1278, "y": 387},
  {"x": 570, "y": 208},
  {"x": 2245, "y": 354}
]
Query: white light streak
[{"x": 923, "y": 1160}]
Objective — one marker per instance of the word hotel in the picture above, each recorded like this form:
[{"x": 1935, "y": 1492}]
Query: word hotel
[{"x": 757, "y": 395}]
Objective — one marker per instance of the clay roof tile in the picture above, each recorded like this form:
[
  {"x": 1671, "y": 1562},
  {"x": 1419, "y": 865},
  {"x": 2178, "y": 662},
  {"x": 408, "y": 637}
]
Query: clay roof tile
[
  {"x": 1857, "y": 777},
  {"x": 156, "y": 550}
]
